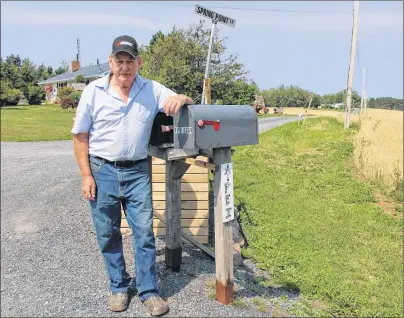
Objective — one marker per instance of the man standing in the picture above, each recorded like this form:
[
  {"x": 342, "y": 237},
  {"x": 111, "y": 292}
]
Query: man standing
[{"x": 111, "y": 131}]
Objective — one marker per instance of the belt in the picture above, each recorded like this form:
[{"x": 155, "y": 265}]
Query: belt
[{"x": 121, "y": 164}]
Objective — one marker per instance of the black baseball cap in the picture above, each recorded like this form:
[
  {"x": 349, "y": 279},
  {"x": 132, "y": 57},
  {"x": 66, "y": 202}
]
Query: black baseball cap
[{"x": 125, "y": 43}]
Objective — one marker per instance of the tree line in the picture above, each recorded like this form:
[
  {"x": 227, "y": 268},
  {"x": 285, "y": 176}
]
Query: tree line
[
  {"x": 386, "y": 103},
  {"x": 177, "y": 59},
  {"x": 19, "y": 79},
  {"x": 294, "y": 96}
]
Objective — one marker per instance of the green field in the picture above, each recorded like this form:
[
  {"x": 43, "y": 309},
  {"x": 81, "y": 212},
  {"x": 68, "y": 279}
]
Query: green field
[
  {"x": 313, "y": 226},
  {"x": 36, "y": 123}
]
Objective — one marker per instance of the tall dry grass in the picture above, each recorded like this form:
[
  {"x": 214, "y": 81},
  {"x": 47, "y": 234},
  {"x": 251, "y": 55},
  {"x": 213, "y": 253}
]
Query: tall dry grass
[
  {"x": 379, "y": 147},
  {"x": 317, "y": 112},
  {"x": 378, "y": 144}
]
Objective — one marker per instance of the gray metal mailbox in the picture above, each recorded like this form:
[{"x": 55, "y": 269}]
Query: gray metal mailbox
[{"x": 215, "y": 126}]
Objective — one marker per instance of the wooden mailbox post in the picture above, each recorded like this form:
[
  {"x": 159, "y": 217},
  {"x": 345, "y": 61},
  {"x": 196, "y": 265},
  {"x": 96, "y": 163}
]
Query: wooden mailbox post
[
  {"x": 174, "y": 172},
  {"x": 223, "y": 232},
  {"x": 177, "y": 163}
]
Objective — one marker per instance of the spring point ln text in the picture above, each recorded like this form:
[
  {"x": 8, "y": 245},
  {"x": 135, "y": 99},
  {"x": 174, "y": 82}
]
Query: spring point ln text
[{"x": 215, "y": 17}]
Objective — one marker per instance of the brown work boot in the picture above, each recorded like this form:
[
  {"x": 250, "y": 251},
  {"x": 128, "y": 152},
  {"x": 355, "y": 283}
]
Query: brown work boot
[
  {"x": 118, "y": 302},
  {"x": 156, "y": 305}
]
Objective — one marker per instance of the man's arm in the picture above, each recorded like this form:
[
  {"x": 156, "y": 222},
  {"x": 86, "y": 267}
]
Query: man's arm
[
  {"x": 80, "y": 145},
  {"x": 169, "y": 101},
  {"x": 81, "y": 127},
  {"x": 172, "y": 104}
]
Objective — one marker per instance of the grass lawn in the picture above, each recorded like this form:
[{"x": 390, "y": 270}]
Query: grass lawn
[
  {"x": 43, "y": 123},
  {"x": 313, "y": 226},
  {"x": 36, "y": 123}
]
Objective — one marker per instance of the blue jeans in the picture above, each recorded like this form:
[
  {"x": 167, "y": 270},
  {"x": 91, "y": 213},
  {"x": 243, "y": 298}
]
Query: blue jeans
[{"x": 131, "y": 187}]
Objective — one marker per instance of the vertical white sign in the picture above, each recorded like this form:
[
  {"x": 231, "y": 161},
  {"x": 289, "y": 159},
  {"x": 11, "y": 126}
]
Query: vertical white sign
[{"x": 226, "y": 190}]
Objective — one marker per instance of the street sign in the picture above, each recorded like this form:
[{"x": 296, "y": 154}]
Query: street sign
[{"x": 214, "y": 16}]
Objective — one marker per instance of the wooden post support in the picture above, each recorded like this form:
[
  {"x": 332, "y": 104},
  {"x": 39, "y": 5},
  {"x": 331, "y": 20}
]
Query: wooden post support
[
  {"x": 199, "y": 163},
  {"x": 188, "y": 238},
  {"x": 173, "y": 252},
  {"x": 223, "y": 235},
  {"x": 206, "y": 83}
]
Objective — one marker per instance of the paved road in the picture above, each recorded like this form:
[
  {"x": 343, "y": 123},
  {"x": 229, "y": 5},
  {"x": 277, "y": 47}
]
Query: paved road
[
  {"x": 50, "y": 263},
  {"x": 272, "y": 122}
]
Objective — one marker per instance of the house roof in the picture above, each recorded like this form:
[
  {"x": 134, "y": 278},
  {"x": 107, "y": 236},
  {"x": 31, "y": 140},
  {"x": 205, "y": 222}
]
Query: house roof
[{"x": 88, "y": 71}]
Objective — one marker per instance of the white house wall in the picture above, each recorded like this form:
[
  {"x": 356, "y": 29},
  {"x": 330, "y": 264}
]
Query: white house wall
[{"x": 52, "y": 96}]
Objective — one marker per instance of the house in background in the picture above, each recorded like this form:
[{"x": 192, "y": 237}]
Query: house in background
[
  {"x": 337, "y": 105},
  {"x": 90, "y": 73}
]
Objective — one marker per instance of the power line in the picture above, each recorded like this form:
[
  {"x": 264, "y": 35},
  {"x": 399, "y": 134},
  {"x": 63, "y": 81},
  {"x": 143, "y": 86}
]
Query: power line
[{"x": 248, "y": 9}]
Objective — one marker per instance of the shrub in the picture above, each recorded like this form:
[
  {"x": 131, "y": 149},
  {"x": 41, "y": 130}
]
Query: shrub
[
  {"x": 11, "y": 97},
  {"x": 67, "y": 102},
  {"x": 36, "y": 94},
  {"x": 4, "y": 87},
  {"x": 64, "y": 92},
  {"x": 76, "y": 97},
  {"x": 71, "y": 100}
]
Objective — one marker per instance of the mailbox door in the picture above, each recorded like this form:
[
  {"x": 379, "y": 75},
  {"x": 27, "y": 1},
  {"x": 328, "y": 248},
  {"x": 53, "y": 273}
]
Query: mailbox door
[
  {"x": 184, "y": 130},
  {"x": 162, "y": 132},
  {"x": 224, "y": 126}
]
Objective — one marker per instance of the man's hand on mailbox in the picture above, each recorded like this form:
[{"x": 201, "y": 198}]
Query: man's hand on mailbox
[{"x": 173, "y": 103}]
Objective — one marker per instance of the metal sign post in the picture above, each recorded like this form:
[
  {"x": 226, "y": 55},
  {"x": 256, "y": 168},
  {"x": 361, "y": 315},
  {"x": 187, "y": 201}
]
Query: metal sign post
[
  {"x": 215, "y": 17},
  {"x": 205, "y": 81}
]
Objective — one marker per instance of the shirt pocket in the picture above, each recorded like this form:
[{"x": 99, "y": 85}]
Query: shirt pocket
[{"x": 142, "y": 113}]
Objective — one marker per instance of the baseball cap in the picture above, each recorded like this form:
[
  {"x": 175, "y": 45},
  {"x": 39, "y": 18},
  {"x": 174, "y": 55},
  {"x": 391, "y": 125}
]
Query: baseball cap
[{"x": 125, "y": 43}]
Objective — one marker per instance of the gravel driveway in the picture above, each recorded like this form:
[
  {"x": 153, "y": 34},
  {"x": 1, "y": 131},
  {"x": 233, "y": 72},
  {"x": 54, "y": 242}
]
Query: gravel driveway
[{"x": 50, "y": 262}]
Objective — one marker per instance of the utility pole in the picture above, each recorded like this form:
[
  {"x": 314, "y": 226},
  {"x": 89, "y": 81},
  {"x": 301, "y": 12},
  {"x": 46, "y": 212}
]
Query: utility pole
[
  {"x": 351, "y": 65},
  {"x": 365, "y": 101},
  {"x": 363, "y": 89}
]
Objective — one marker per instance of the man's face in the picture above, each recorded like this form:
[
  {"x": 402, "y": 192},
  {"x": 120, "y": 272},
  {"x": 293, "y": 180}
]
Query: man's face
[{"x": 124, "y": 67}]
